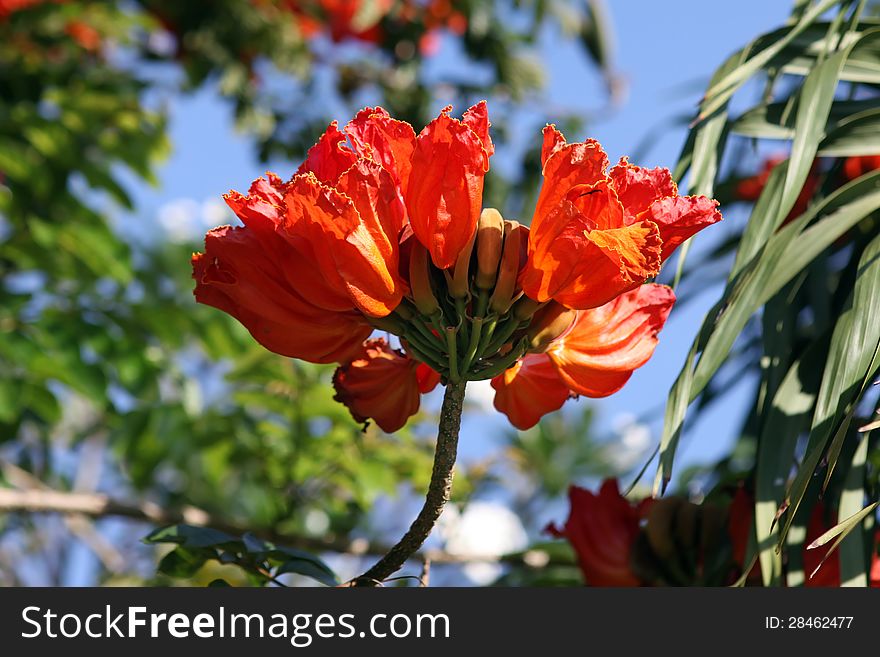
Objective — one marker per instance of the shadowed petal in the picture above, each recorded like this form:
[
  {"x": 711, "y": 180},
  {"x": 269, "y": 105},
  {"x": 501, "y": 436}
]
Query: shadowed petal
[
  {"x": 236, "y": 275},
  {"x": 379, "y": 384},
  {"x": 529, "y": 390},
  {"x": 599, "y": 353}
]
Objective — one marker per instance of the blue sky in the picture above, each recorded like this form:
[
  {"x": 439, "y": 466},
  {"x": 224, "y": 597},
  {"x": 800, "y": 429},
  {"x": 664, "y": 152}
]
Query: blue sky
[{"x": 666, "y": 52}]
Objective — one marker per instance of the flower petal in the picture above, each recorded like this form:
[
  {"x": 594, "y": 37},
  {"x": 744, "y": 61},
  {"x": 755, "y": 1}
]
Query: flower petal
[
  {"x": 390, "y": 142},
  {"x": 379, "y": 384},
  {"x": 345, "y": 250},
  {"x": 553, "y": 140},
  {"x": 238, "y": 276},
  {"x": 529, "y": 390},
  {"x": 378, "y": 201},
  {"x": 445, "y": 190},
  {"x": 567, "y": 166},
  {"x": 262, "y": 211},
  {"x": 602, "y": 528},
  {"x": 680, "y": 217},
  {"x": 327, "y": 159},
  {"x": 427, "y": 378},
  {"x": 583, "y": 256},
  {"x": 477, "y": 119},
  {"x": 637, "y": 187},
  {"x": 597, "y": 356}
]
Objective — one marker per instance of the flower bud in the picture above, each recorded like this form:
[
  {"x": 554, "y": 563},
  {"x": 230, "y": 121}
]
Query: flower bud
[
  {"x": 420, "y": 280},
  {"x": 512, "y": 255},
  {"x": 490, "y": 236},
  {"x": 525, "y": 307},
  {"x": 459, "y": 286},
  {"x": 549, "y": 323}
]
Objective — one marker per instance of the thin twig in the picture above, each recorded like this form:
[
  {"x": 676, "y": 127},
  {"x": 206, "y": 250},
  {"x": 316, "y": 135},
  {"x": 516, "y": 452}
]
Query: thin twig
[{"x": 425, "y": 577}]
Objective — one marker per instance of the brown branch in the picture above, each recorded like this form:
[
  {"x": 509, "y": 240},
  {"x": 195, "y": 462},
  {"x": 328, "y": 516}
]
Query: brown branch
[
  {"x": 438, "y": 491},
  {"x": 99, "y": 505}
]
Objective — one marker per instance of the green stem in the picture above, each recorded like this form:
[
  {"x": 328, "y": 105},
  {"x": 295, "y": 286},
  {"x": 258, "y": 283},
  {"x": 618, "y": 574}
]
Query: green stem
[
  {"x": 421, "y": 344},
  {"x": 476, "y": 329},
  {"x": 461, "y": 311},
  {"x": 439, "y": 490},
  {"x": 481, "y": 304},
  {"x": 496, "y": 368},
  {"x": 451, "y": 332},
  {"x": 437, "y": 364},
  {"x": 507, "y": 330},
  {"x": 426, "y": 332},
  {"x": 488, "y": 332}
]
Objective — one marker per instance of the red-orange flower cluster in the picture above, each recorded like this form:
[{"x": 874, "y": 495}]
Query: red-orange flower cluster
[
  {"x": 80, "y": 31},
  {"x": 383, "y": 228}
]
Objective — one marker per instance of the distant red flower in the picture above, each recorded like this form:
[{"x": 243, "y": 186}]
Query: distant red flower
[
  {"x": 84, "y": 34},
  {"x": 874, "y": 575},
  {"x": 8, "y": 7},
  {"x": 594, "y": 358},
  {"x": 750, "y": 188},
  {"x": 383, "y": 384},
  {"x": 602, "y": 528},
  {"x": 855, "y": 167}
]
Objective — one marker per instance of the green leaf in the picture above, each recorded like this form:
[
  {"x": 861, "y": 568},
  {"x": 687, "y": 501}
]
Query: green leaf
[
  {"x": 183, "y": 562},
  {"x": 787, "y": 416},
  {"x": 841, "y": 531},
  {"x": 858, "y": 134},
  {"x": 814, "y": 104},
  {"x": 310, "y": 567},
  {"x": 776, "y": 120},
  {"x": 190, "y": 536},
  {"x": 851, "y": 356},
  {"x": 853, "y": 564},
  {"x": 785, "y": 254}
]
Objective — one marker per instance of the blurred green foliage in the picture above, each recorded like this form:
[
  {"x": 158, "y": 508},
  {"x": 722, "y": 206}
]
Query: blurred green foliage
[{"x": 100, "y": 340}]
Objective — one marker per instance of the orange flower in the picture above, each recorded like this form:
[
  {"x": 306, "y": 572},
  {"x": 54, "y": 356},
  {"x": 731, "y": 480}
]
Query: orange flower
[
  {"x": 382, "y": 384},
  {"x": 594, "y": 358},
  {"x": 252, "y": 273},
  {"x": 344, "y": 19},
  {"x": 444, "y": 193},
  {"x": 602, "y": 528},
  {"x": 595, "y": 235}
]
